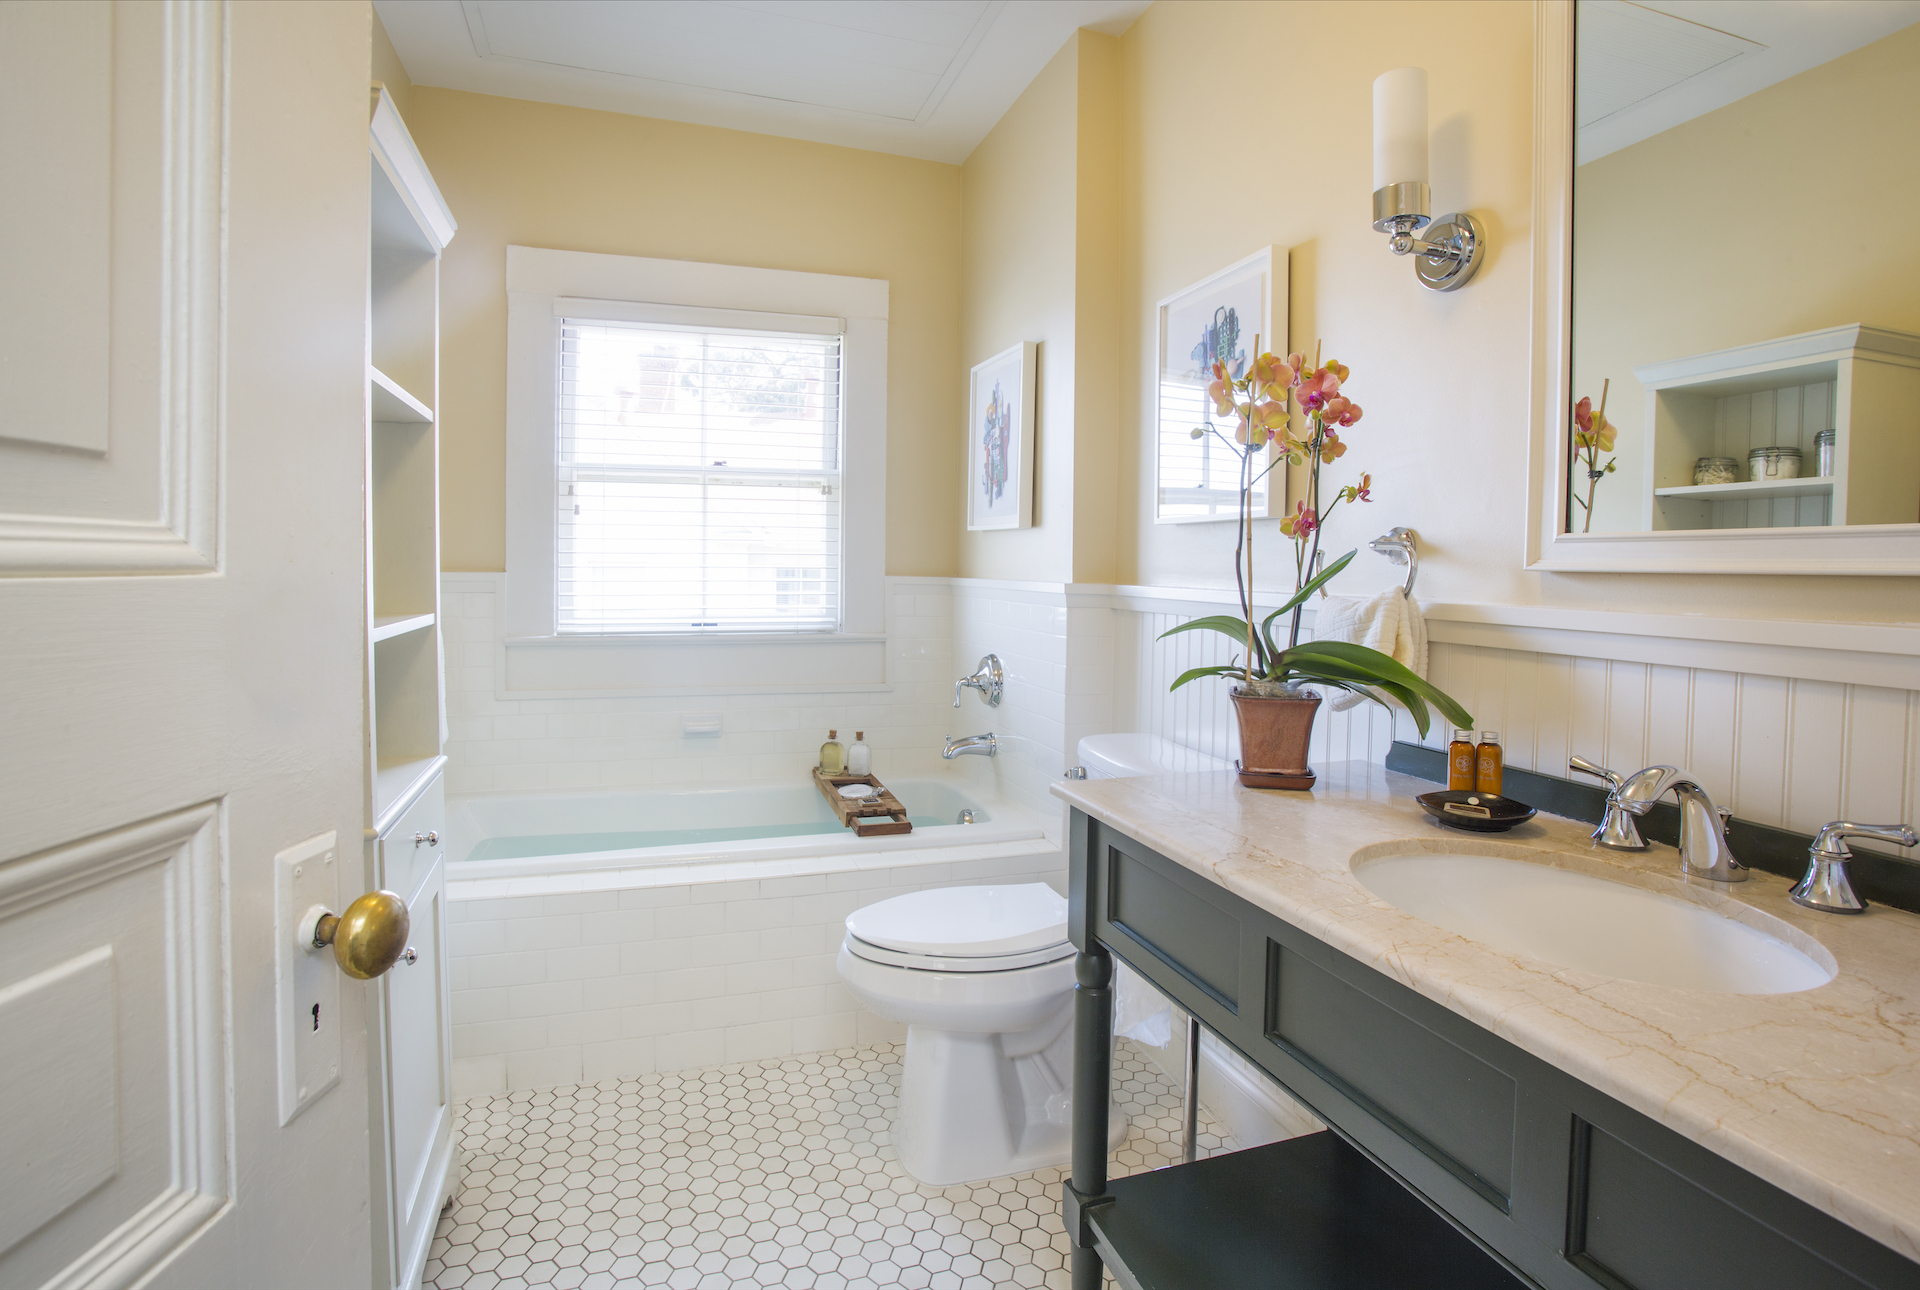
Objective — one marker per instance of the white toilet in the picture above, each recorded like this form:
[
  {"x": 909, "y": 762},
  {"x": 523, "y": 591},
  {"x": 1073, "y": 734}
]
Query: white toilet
[{"x": 983, "y": 979}]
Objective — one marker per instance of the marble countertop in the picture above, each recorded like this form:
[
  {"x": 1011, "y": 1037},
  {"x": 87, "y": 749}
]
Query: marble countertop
[{"x": 1817, "y": 1092}]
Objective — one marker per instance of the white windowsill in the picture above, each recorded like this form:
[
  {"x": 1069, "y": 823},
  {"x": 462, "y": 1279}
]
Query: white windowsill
[{"x": 639, "y": 640}]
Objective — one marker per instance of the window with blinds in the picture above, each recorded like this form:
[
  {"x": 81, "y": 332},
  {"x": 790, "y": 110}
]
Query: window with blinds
[{"x": 699, "y": 479}]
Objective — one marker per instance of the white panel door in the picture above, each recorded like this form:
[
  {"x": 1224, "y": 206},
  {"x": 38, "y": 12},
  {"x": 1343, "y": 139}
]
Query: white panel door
[{"x": 183, "y": 252}]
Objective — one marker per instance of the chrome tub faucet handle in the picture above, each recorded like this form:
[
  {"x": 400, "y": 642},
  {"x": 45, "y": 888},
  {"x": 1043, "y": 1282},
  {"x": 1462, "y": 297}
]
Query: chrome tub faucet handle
[
  {"x": 988, "y": 679},
  {"x": 1826, "y": 886}
]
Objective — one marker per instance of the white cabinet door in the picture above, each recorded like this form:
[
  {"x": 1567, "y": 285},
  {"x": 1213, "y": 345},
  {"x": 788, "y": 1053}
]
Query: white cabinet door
[
  {"x": 415, "y": 1115},
  {"x": 181, "y": 632}
]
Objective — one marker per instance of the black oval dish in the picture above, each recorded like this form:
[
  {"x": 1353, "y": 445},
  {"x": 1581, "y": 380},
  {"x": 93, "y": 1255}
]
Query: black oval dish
[{"x": 1502, "y": 812}]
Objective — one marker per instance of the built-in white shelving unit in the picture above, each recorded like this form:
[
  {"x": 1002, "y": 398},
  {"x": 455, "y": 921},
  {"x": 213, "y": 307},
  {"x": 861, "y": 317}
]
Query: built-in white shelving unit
[
  {"x": 1861, "y": 382},
  {"x": 414, "y": 1157}
]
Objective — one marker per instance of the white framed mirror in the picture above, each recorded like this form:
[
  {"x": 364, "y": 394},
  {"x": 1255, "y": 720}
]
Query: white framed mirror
[{"x": 1719, "y": 189}]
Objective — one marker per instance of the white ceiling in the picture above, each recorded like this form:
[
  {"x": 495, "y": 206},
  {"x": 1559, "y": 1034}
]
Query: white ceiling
[
  {"x": 1644, "y": 68},
  {"x": 921, "y": 78}
]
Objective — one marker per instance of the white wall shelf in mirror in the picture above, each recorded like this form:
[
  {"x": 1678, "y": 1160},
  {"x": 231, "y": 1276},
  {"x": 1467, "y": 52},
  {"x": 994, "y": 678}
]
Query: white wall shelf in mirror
[
  {"x": 389, "y": 626},
  {"x": 392, "y": 403},
  {"x": 1863, "y": 383},
  {"x": 1706, "y": 353}
]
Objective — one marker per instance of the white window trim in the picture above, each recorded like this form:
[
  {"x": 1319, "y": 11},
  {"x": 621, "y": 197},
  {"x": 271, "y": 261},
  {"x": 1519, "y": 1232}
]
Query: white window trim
[{"x": 542, "y": 659}]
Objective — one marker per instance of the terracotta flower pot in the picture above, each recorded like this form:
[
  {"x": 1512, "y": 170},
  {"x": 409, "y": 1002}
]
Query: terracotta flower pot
[{"x": 1274, "y": 736}]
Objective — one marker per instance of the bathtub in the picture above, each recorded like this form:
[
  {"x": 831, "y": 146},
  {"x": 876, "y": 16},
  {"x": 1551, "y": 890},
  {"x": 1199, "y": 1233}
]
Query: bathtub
[{"x": 550, "y": 842}]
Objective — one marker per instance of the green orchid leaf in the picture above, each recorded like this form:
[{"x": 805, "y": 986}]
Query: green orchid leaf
[
  {"x": 1325, "y": 671},
  {"x": 1195, "y": 673},
  {"x": 1234, "y": 627},
  {"x": 1318, "y": 581},
  {"x": 1380, "y": 667}
]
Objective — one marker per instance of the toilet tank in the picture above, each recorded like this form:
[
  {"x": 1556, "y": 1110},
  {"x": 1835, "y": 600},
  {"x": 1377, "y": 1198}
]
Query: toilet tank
[{"x": 1121, "y": 756}]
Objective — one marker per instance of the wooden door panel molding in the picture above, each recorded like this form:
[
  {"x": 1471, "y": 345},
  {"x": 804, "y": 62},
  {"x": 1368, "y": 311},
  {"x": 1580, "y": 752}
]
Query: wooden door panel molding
[
  {"x": 122, "y": 930},
  {"x": 146, "y": 500}
]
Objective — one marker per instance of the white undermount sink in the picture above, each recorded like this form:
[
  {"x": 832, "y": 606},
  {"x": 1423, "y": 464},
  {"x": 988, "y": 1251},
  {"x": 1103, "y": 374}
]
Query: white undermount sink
[{"x": 1576, "y": 920}]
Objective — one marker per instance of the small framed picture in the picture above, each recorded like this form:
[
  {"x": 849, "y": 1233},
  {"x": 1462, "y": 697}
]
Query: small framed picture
[
  {"x": 1218, "y": 319},
  {"x": 1000, "y": 440}
]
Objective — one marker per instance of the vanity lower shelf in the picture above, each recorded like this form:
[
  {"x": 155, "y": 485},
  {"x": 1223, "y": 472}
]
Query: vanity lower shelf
[{"x": 1308, "y": 1212}]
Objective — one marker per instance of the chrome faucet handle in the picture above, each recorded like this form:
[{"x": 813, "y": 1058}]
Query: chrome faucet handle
[
  {"x": 1826, "y": 886},
  {"x": 988, "y": 679},
  {"x": 1617, "y": 829},
  {"x": 1595, "y": 769}
]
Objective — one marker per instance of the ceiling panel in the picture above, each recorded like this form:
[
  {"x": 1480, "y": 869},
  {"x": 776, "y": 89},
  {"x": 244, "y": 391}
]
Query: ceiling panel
[{"x": 922, "y": 78}]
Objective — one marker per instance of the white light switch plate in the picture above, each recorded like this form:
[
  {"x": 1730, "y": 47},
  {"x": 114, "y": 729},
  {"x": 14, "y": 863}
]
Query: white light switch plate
[{"x": 307, "y": 980}]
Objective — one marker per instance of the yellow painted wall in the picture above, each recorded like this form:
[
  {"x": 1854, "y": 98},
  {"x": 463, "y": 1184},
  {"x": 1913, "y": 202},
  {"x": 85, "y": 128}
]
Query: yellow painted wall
[
  {"x": 1247, "y": 124},
  {"x": 1018, "y": 190},
  {"x": 1041, "y": 193},
  {"x": 536, "y": 174},
  {"x": 1666, "y": 270}
]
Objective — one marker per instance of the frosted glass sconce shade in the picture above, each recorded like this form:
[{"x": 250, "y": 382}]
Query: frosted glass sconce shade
[{"x": 1449, "y": 254}]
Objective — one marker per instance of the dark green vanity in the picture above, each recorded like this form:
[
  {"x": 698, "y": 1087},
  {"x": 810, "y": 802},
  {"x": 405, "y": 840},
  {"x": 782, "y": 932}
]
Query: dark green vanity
[{"x": 1455, "y": 1159}]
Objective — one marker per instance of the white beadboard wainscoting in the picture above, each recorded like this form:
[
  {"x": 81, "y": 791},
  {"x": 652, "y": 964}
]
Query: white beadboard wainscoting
[{"x": 1788, "y": 724}]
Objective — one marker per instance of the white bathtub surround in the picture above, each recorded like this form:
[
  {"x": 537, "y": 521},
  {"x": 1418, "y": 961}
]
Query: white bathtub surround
[
  {"x": 536, "y": 844},
  {"x": 697, "y": 969},
  {"x": 779, "y": 1172}
]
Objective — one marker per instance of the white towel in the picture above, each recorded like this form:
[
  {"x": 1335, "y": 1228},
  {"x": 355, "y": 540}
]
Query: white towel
[{"x": 1389, "y": 622}]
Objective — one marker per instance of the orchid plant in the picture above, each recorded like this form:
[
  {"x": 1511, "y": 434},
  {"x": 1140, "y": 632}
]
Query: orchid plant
[
  {"x": 1593, "y": 434},
  {"x": 1258, "y": 404}
]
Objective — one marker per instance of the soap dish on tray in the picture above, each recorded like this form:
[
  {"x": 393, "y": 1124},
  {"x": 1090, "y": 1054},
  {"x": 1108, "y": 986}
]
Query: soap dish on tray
[{"x": 1475, "y": 812}]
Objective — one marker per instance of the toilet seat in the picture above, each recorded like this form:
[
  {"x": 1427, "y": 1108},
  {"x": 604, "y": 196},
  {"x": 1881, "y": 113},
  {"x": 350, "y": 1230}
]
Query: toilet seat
[
  {"x": 954, "y": 962},
  {"x": 988, "y": 922}
]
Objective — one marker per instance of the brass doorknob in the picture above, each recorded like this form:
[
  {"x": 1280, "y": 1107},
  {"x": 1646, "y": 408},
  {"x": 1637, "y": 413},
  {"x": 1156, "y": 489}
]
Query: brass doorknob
[{"x": 368, "y": 938}]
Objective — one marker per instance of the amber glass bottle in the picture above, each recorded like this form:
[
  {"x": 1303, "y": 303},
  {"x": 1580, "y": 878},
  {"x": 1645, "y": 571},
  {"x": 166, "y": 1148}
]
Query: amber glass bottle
[
  {"x": 833, "y": 757},
  {"x": 1460, "y": 761},
  {"x": 1489, "y": 764}
]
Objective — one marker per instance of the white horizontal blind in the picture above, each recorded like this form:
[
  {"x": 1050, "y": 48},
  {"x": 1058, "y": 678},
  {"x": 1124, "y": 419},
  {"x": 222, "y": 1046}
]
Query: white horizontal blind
[
  {"x": 698, "y": 478},
  {"x": 1199, "y": 478}
]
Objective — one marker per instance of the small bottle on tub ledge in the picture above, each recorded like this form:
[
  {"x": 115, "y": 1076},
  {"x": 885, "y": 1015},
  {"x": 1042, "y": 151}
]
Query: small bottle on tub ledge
[
  {"x": 833, "y": 757},
  {"x": 1460, "y": 762},
  {"x": 859, "y": 756},
  {"x": 1489, "y": 764}
]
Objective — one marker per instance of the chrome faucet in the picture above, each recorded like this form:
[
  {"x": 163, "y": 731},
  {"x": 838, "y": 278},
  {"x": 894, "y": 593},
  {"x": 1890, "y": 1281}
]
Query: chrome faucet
[
  {"x": 1826, "y": 887},
  {"x": 1703, "y": 826},
  {"x": 969, "y": 745},
  {"x": 987, "y": 678}
]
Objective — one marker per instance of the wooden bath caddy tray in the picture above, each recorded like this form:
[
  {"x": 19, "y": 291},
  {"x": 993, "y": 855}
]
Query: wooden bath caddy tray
[{"x": 868, "y": 817}]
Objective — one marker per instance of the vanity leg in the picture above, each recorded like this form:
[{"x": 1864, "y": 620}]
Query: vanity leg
[
  {"x": 1092, "y": 1088},
  {"x": 1190, "y": 1140}
]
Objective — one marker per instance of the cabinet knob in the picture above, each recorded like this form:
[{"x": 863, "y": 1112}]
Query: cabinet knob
[
  {"x": 430, "y": 838},
  {"x": 369, "y": 938}
]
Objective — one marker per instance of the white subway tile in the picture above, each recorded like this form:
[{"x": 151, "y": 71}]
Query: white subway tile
[
  {"x": 824, "y": 1034},
  {"x": 548, "y": 999},
  {"x": 545, "y": 1068},
  {"x": 594, "y": 1027},
  {"x": 483, "y": 1037},
  {"x": 478, "y": 1077},
  {"x": 690, "y": 1050},
  {"x": 616, "y": 1059},
  {"x": 758, "y": 1041},
  {"x": 582, "y": 962}
]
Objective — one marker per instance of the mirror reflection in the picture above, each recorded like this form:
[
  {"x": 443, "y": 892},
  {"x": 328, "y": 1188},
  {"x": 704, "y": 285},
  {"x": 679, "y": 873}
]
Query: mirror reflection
[{"x": 1746, "y": 286}]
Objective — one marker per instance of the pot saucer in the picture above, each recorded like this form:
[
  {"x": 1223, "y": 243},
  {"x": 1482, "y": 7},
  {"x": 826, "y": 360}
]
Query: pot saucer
[{"x": 1274, "y": 778}]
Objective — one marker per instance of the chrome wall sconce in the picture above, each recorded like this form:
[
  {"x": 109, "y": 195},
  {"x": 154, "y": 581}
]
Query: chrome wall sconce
[{"x": 1446, "y": 258}]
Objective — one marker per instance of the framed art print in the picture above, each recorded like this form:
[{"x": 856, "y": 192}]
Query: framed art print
[
  {"x": 1000, "y": 440},
  {"x": 1215, "y": 319}
]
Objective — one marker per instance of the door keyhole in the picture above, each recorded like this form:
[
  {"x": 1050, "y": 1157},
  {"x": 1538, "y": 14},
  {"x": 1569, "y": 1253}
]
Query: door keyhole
[{"x": 316, "y": 1016}]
